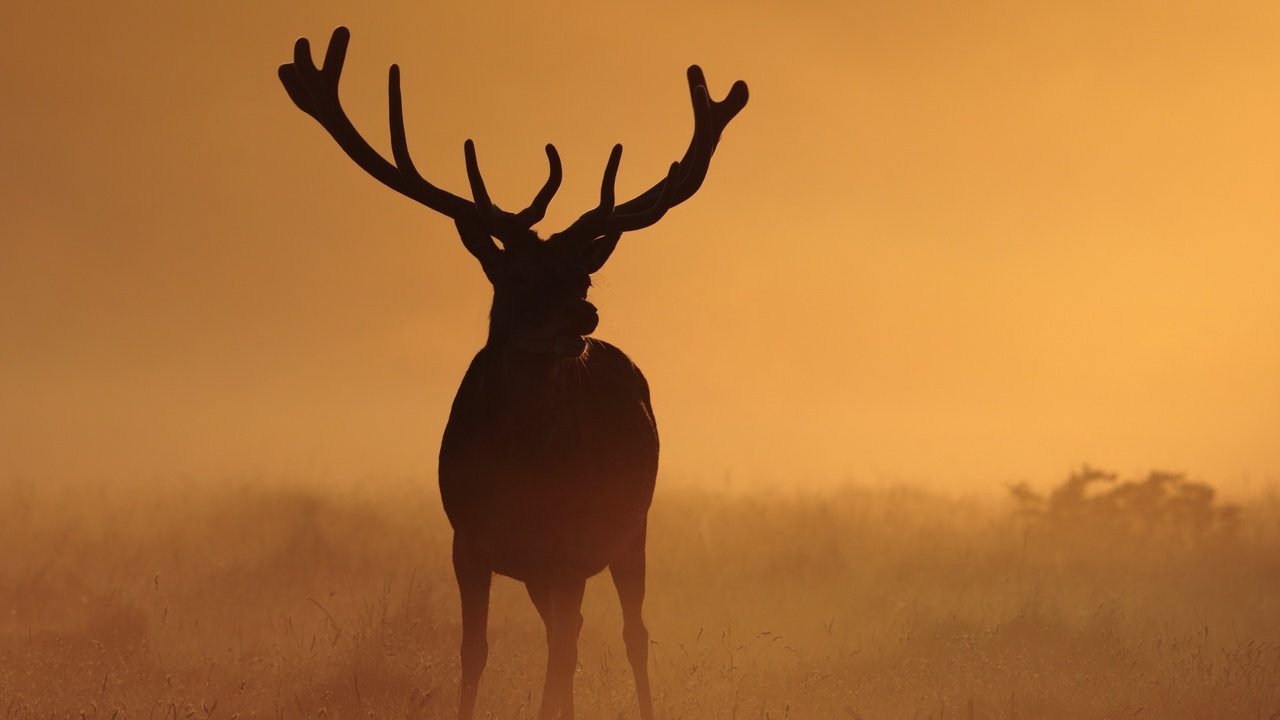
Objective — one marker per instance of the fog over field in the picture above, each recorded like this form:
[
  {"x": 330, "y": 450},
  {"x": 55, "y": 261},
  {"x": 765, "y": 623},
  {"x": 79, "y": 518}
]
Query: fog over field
[
  {"x": 1104, "y": 599},
  {"x": 947, "y": 257}
]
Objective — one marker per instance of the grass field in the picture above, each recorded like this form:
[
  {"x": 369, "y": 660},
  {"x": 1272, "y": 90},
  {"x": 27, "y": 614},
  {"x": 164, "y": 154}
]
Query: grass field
[{"x": 289, "y": 600}]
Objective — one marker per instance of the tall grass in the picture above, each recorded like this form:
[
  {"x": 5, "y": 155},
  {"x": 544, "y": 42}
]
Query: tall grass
[{"x": 282, "y": 600}]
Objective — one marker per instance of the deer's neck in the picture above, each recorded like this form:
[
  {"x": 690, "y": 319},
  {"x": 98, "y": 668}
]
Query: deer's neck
[
  {"x": 520, "y": 367},
  {"x": 501, "y": 330}
]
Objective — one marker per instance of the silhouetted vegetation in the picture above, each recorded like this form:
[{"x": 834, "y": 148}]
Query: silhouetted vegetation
[{"x": 1162, "y": 508}]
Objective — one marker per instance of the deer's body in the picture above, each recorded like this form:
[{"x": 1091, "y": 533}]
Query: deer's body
[
  {"x": 548, "y": 465},
  {"x": 548, "y": 462}
]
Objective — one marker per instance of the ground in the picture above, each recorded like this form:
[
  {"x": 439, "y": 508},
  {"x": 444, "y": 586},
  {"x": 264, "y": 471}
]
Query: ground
[{"x": 290, "y": 599}]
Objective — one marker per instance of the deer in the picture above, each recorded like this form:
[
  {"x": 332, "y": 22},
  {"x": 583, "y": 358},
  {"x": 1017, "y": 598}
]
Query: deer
[{"x": 549, "y": 458}]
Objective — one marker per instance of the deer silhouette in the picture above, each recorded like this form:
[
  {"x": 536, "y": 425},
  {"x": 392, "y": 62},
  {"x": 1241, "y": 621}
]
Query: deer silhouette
[{"x": 550, "y": 455}]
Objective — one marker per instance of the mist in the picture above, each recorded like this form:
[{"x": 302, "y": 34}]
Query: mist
[{"x": 961, "y": 247}]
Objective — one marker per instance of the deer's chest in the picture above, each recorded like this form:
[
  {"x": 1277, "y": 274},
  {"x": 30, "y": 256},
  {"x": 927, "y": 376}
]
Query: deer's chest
[
  {"x": 536, "y": 472},
  {"x": 548, "y": 423}
]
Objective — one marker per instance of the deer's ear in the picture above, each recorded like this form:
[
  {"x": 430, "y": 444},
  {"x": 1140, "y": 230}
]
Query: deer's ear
[
  {"x": 596, "y": 252},
  {"x": 479, "y": 243}
]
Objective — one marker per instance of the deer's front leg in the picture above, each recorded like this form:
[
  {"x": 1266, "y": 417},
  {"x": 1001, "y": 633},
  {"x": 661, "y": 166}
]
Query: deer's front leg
[
  {"x": 559, "y": 602},
  {"x": 473, "y": 576}
]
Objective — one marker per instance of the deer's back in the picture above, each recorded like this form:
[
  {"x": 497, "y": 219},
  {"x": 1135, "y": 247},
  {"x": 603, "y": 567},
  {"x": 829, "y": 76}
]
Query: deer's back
[{"x": 550, "y": 471}]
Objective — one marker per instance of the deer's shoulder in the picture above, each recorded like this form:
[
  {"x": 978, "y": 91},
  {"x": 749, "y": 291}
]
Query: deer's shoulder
[{"x": 605, "y": 362}]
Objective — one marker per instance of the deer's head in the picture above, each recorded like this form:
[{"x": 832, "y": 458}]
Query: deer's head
[{"x": 540, "y": 286}]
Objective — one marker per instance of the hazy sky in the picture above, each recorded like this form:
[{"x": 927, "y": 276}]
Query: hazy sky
[{"x": 948, "y": 242}]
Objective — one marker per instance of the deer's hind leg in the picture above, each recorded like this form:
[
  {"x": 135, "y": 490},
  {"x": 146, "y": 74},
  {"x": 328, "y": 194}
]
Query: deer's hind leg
[
  {"x": 628, "y": 578},
  {"x": 474, "y": 577}
]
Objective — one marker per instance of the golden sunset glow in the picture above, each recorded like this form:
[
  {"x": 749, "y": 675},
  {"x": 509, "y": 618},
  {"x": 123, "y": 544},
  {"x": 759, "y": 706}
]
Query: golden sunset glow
[
  {"x": 965, "y": 360},
  {"x": 946, "y": 243}
]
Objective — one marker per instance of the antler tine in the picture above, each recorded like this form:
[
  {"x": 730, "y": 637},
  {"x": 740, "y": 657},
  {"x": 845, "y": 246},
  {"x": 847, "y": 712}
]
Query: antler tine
[
  {"x": 336, "y": 54},
  {"x": 610, "y": 180},
  {"x": 538, "y": 208},
  {"x": 643, "y": 219},
  {"x": 395, "y": 117},
  {"x": 315, "y": 92},
  {"x": 291, "y": 76},
  {"x": 594, "y": 222},
  {"x": 479, "y": 195},
  {"x": 710, "y": 117}
]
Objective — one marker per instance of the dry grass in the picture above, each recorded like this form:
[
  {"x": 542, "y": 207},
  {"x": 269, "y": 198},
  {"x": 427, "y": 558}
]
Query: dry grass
[{"x": 259, "y": 600}]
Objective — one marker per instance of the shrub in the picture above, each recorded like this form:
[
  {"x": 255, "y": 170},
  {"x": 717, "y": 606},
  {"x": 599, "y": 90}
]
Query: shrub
[{"x": 1162, "y": 506}]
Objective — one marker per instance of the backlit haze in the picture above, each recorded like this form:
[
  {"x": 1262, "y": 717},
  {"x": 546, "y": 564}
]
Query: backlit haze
[{"x": 959, "y": 244}]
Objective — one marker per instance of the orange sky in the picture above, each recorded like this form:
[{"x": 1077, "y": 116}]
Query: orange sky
[{"x": 941, "y": 244}]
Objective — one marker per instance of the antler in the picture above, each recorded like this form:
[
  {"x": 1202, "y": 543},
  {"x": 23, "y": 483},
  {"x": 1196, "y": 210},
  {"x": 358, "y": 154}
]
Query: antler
[
  {"x": 315, "y": 92},
  {"x": 710, "y": 117}
]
